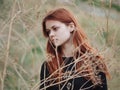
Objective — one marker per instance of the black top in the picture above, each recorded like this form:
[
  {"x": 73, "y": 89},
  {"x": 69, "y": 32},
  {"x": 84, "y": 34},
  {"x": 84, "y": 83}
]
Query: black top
[{"x": 75, "y": 83}]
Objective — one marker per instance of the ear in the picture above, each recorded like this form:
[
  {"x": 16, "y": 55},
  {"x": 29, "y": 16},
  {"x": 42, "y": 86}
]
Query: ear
[{"x": 71, "y": 27}]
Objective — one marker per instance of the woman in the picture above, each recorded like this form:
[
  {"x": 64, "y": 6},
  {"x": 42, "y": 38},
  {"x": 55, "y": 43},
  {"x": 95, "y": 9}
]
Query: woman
[{"x": 72, "y": 63}]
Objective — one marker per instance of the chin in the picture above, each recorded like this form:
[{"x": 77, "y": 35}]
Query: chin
[{"x": 57, "y": 45}]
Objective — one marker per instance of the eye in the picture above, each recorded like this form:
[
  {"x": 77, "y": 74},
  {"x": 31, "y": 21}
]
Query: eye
[{"x": 55, "y": 28}]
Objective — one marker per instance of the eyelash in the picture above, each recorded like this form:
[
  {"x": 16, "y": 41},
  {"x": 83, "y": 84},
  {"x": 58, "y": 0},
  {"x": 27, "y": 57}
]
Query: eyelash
[{"x": 55, "y": 29}]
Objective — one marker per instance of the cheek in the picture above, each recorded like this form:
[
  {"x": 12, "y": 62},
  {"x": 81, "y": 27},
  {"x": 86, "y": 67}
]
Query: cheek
[
  {"x": 65, "y": 36},
  {"x": 63, "y": 33}
]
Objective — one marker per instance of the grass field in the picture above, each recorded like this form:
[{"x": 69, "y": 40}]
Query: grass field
[{"x": 22, "y": 45}]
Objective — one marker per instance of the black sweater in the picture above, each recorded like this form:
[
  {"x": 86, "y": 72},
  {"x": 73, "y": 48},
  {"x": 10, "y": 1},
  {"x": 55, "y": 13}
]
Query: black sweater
[{"x": 78, "y": 83}]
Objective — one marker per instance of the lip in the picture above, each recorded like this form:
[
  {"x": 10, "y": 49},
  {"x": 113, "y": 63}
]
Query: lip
[{"x": 53, "y": 40}]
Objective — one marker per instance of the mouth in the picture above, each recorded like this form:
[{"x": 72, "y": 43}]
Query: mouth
[{"x": 54, "y": 40}]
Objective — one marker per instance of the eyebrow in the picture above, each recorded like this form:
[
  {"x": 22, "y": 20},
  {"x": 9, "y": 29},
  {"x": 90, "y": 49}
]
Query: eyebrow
[{"x": 51, "y": 27}]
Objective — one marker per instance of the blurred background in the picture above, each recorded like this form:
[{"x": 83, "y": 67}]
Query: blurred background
[{"x": 22, "y": 44}]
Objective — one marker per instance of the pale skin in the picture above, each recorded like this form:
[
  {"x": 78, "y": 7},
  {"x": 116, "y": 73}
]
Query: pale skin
[{"x": 60, "y": 34}]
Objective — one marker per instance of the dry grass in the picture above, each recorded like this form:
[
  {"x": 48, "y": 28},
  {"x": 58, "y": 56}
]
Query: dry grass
[{"x": 22, "y": 46}]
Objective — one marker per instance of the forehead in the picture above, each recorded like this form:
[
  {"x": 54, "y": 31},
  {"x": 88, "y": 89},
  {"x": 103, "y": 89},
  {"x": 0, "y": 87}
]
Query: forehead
[{"x": 51, "y": 23}]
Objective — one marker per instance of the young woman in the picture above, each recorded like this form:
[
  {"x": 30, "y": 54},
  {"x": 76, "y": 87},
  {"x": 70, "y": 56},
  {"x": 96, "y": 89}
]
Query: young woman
[{"x": 72, "y": 63}]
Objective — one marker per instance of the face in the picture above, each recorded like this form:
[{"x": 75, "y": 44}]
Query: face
[{"x": 59, "y": 33}]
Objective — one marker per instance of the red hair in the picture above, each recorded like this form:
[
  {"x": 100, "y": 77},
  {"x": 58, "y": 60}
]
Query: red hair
[{"x": 79, "y": 41}]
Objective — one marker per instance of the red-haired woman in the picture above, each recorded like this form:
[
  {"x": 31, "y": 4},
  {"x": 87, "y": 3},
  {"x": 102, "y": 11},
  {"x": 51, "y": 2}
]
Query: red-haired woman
[{"x": 72, "y": 63}]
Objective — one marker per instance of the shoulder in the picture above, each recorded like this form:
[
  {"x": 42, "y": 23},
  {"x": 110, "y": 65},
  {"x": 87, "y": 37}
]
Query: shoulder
[
  {"x": 44, "y": 70},
  {"x": 102, "y": 75},
  {"x": 44, "y": 66},
  {"x": 102, "y": 85}
]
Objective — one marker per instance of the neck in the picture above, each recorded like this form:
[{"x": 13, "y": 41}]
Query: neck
[{"x": 68, "y": 49}]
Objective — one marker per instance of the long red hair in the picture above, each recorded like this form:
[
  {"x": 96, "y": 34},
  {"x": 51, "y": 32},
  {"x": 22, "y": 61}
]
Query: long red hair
[{"x": 79, "y": 40}]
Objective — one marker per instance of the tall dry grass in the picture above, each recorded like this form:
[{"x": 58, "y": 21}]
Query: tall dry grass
[{"x": 22, "y": 45}]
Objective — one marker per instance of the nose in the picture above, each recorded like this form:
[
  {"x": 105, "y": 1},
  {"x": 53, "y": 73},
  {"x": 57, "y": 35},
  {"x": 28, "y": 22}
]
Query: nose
[{"x": 51, "y": 34}]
